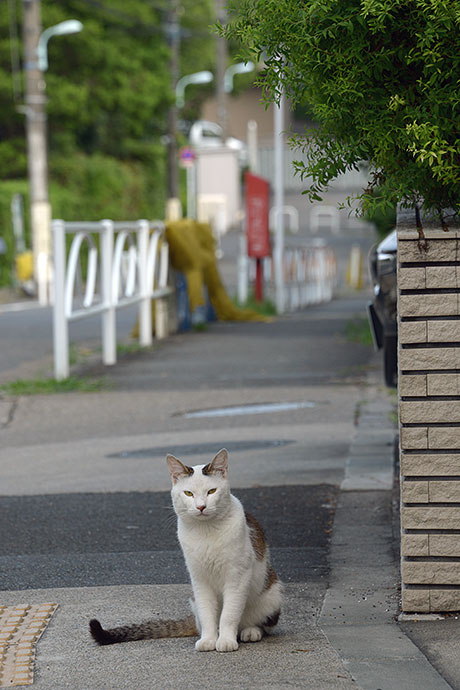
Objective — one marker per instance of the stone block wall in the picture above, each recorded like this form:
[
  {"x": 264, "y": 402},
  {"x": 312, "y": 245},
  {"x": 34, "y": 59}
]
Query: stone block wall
[{"x": 429, "y": 411}]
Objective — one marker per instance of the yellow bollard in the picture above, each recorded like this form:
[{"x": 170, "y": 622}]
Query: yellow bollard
[
  {"x": 354, "y": 275},
  {"x": 24, "y": 266}
]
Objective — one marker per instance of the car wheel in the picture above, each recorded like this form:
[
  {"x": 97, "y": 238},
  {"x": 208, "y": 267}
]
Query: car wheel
[{"x": 390, "y": 360}]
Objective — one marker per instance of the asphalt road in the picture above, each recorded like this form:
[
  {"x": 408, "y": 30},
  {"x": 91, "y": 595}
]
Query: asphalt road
[
  {"x": 26, "y": 335},
  {"x": 88, "y": 540}
]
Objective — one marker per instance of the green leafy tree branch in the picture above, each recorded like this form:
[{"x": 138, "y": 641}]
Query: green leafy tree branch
[{"x": 382, "y": 78}]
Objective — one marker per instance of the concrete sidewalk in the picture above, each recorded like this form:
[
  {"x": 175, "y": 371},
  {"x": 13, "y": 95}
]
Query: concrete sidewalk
[{"x": 338, "y": 628}]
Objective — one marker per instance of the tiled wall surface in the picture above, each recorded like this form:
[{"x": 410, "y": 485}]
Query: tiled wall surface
[{"x": 429, "y": 407}]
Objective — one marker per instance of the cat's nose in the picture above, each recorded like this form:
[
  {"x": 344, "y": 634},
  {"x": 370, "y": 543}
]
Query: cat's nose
[{"x": 201, "y": 508}]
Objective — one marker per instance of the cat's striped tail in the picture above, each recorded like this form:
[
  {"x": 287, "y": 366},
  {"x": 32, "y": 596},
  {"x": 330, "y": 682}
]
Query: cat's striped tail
[{"x": 184, "y": 627}]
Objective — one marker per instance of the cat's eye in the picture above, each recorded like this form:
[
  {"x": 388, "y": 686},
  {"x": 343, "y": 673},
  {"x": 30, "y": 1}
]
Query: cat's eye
[
  {"x": 212, "y": 491},
  {"x": 188, "y": 493}
]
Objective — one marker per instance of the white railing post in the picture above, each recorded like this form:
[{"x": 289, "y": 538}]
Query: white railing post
[
  {"x": 161, "y": 304},
  {"x": 109, "y": 335},
  {"x": 161, "y": 318},
  {"x": 145, "y": 309},
  {"x": 242, "y": 268},
  {"x": 60, "y": 324}
]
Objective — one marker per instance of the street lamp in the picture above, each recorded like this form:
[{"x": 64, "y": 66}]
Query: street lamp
[
  {"x": 203, "y": 77},
  {"x": 70, "y": 26},
  {"x": 225, "y": 87},
  {"x": 239, "y": 68},
  {"x": 179, "y": 87},
  {"x": 35, "y": 64}
]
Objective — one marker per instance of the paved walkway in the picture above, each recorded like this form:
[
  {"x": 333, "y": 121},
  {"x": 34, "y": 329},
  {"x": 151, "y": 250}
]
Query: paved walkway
[{"x": 85, "y": 520}]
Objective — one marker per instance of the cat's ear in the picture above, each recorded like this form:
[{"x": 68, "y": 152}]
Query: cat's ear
[
  {"x": 177, "y": 469},
  {"x": 218, "y": 465}
]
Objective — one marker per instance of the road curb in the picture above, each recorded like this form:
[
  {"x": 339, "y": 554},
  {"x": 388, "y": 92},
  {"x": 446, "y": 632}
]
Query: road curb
[{"x": 360, "y": 608}]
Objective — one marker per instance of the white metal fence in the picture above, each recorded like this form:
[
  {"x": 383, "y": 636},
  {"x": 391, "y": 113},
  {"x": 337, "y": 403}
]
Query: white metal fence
[
  {"x": 309, "y": 276},
  {"x": 127, "y": 263}
]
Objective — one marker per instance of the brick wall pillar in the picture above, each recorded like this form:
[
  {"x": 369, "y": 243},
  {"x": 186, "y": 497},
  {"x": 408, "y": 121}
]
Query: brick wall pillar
[{"x": 429, "y": 407}]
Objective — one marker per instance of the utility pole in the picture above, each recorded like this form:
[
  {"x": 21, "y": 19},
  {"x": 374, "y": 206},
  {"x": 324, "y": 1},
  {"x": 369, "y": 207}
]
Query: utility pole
[
  {"x": 222, "y": 59},
  {"x": 173, "y": 29},
  {"x": 278, "y": 254},
  {"x": 37, "y": 154}
]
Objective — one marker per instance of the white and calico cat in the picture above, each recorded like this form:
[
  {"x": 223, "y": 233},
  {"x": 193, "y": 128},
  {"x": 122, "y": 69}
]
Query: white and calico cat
[{"x": 237, "y": 594}]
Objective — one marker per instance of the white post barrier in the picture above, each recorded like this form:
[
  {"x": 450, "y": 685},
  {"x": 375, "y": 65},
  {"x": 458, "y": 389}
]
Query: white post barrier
[
  {"x": 145, "y": 311},
  {"x": 161, "y": 318},
  {"x": 161, "y": 307},
  {"x": 109, "y": 336},
  {"x": 243, "y": 270},
  {"x": 43, "y": 278},
  {"x": 355, "y": 267},
  {"x": 309, "y": 276},
  {"x": 60, "y": 324},
  {"x": 146, "y": 278}
]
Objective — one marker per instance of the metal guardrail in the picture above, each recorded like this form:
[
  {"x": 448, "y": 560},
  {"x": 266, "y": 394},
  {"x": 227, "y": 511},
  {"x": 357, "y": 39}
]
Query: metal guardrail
[
  {"x": 127, "y": 263},
  {"x": 309, "y": 276}
]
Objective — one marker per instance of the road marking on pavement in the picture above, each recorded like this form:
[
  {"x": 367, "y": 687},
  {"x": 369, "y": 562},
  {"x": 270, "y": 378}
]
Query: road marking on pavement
[
  {"x": 199, "y": 448},
  {"x": 18, "y": 306},
  {"x": 21, "y": 627},
  {"x": 262, "y": 408}
]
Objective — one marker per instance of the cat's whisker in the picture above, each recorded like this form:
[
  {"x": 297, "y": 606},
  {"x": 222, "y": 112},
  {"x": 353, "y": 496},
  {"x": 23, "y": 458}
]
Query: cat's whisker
[{"x": 169, "y": 518}]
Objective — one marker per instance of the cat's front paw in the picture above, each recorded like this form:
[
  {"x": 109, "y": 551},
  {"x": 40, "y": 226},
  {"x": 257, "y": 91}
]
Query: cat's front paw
[
  {"x": 226, "y": 644},
  {"x": 206, "y": 644}
]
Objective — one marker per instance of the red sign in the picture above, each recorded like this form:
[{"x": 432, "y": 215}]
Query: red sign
[
  {"x": 187, "y": 157},
  {"x": 257, "y": 209}
]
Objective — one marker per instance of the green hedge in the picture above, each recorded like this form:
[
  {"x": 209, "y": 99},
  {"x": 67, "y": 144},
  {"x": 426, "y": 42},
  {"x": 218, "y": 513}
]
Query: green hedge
[
  {"x": 86, "y": 188},
  {"x": 95, "y": 187}
]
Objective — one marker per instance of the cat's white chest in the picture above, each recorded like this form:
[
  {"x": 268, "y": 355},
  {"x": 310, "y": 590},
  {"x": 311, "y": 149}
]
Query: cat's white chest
[
  {"x": 215, "y": 552},
  {"x": 210, "y": 553}
]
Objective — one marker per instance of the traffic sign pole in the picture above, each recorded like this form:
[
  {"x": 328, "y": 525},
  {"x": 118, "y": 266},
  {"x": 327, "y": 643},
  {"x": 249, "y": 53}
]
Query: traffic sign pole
[
  {"x": 187, "y": 160},
  {"x": 191, "y": 191}
]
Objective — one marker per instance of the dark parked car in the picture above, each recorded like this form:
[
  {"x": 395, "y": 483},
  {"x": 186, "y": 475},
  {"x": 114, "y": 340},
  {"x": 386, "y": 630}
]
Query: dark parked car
[{"x": 382, "y": 310}]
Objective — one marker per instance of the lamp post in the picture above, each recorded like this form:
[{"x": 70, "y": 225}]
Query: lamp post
[
  {"x": 174, "y": 37},
  {"x": 278, "y": 254},
  {"x": 239, "y": 68},
  {"x": 225, "y": 88},
  {"x": 70, "y": 26},
  {"x": 203, "y": 77},
  {"x": 36, "y": 62}
]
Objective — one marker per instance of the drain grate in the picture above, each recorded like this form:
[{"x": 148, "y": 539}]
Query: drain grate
[
  {"x": 20, "y": 628},
  {"x": 200, "y": 448}
]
